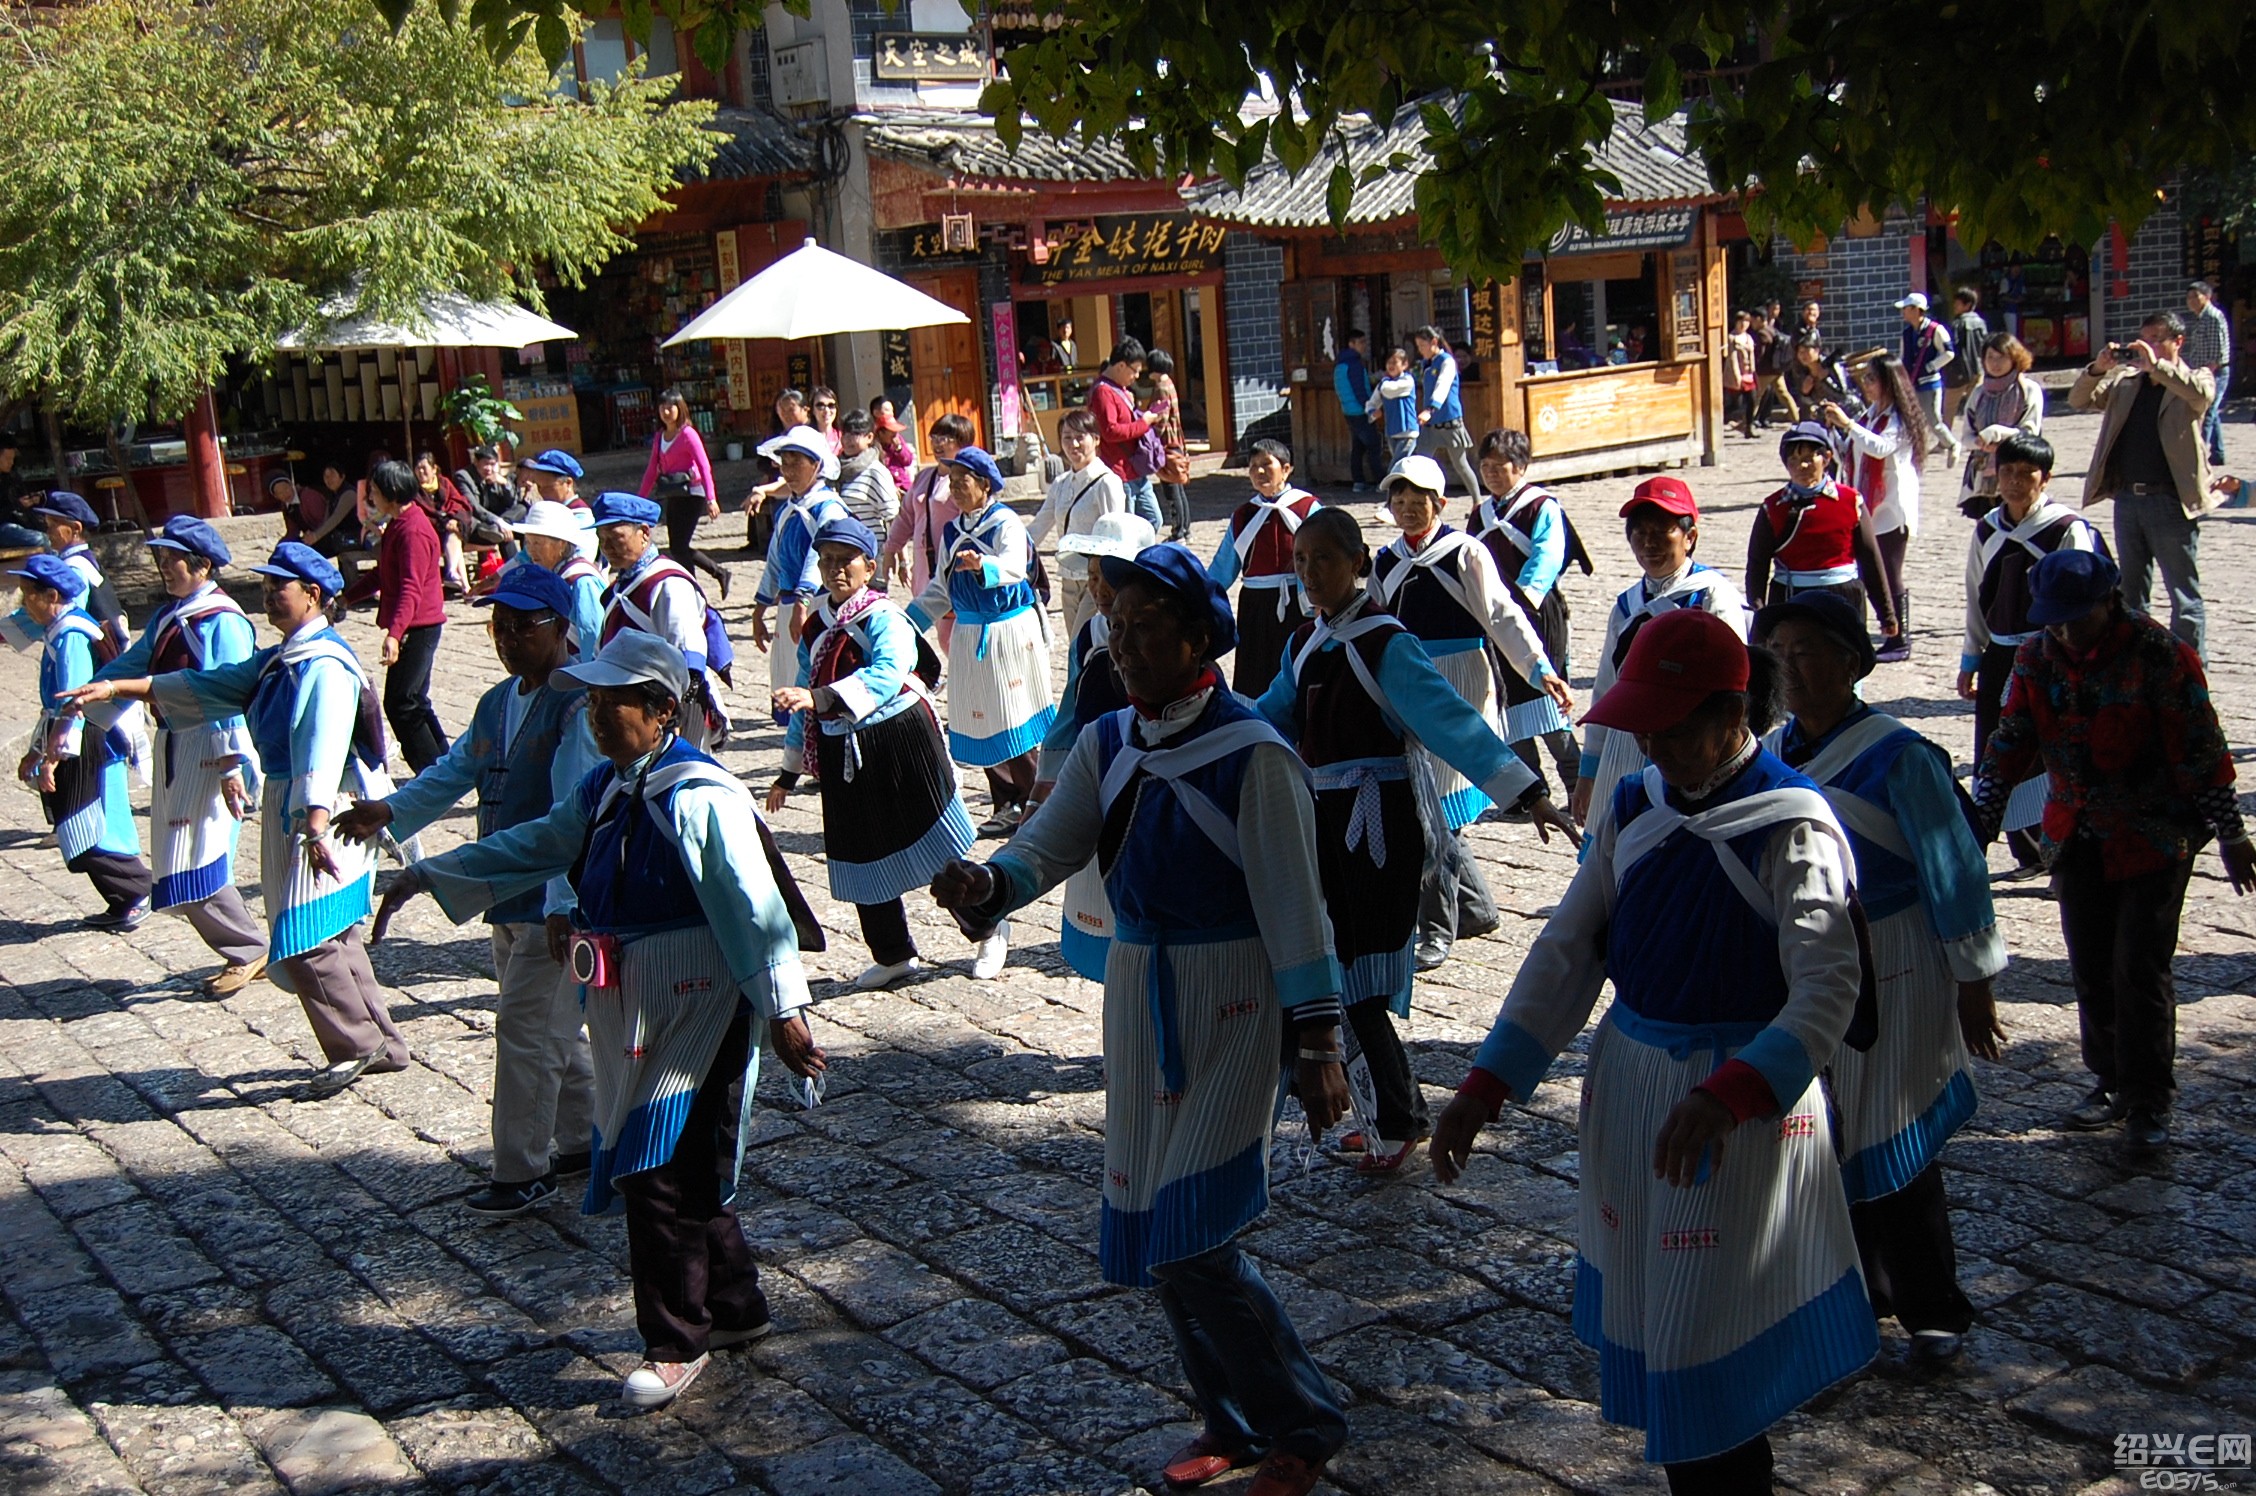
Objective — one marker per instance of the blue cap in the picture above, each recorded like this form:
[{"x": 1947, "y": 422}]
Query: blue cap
[
  {"x": 530, "y": 589},
  {"x": 1173, "y": 567},
  {"x": 184, "y": 532},
  {"x": 554, "y": 460},
  {"x": 616, "y": 508},
  {"x": 847, "y": 530},
  {"x": 299, "y": 562},
  {"x": 2068, "y": 584},
  {"x": 49, "y": 570},
  {"x": 63, "y": 504},
  {"x": 1805, "y": 434},
  {"x": 973, "y": 460}
]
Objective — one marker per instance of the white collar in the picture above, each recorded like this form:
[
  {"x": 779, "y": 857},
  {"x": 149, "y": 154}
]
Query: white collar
[
  {"x": 1172, "y": 719},
  {"x": 1724, "y": 775}
]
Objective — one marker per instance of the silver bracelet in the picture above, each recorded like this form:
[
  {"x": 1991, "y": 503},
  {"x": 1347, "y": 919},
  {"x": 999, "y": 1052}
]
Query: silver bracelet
[{"x": 1321, "y": 1056}]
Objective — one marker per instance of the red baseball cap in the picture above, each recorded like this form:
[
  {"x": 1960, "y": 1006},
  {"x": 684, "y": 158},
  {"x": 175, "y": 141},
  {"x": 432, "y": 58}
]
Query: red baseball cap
[
  {"x": 1676, "y": 662},
  {"x": 1672, "y": 495}
]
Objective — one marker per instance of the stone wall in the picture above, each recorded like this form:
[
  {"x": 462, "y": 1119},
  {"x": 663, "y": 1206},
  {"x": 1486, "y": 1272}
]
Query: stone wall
[
  {"x": 1864, "y": 278},
  {"x": 1253, "y": 273}
]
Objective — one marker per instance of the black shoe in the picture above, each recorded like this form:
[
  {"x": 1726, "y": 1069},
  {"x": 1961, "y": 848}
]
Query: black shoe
[
  {"x": 2102, "y": 1108},
  {"x": 2147, "y": 1128},
  {"x": 718, "y": 1339},
  {"x": 1431, "y": 953},
  {"x": 512, "y": 1199},
  {"x": 1474, "y": 929},
  {"x": 570, "y": 1163},
  {"x": 129, "y": 917},
  {"x": 1935, "y": 1347}
]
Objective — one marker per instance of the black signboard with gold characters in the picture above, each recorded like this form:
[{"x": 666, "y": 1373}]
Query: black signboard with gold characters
[
  {"x": 1118, "y": 246},
  {"x": 920, "y": 245}
]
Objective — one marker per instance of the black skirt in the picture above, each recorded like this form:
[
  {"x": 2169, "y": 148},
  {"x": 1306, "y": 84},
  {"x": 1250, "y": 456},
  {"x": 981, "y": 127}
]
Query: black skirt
[
  {"x": 1780, "y": 592},
  {"x": 898, "y": 821},
  {"x": 1374, "y": 909},
  {"x": 1262, "y": 636},
  {"x": 1550, "y": 622}
]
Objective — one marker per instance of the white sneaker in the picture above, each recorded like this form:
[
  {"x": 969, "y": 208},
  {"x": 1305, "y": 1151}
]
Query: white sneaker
[
  {"x": 654, "y": 1384},
  {"x": 883, "y": 974},
  {"x": 993, "y": 951}
]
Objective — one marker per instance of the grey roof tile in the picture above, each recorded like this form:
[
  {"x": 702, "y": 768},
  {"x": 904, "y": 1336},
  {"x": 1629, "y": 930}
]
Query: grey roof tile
[
  {"x": 755, "y": 143},
  {"x": 966, "y": 146}
]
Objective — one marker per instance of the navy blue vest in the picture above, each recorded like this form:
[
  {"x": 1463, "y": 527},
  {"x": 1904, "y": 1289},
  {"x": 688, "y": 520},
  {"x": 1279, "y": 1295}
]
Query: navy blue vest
[
  {"x": 1423, "y": 604},
  {"x": 630, "y": 879},
  {"x": 1162, "y": 872},
  {"x": 1685, "y": 946}
]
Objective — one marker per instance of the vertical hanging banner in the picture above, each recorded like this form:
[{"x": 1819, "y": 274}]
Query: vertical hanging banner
[{"x": 730, "y": 272}]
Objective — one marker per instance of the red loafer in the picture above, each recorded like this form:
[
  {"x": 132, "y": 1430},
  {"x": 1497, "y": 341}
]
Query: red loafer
[
  {"x": 1387, "y": 1157},
  {"x": 1203, "y": 1459},
  {"x": 1285, "y": 1475}
]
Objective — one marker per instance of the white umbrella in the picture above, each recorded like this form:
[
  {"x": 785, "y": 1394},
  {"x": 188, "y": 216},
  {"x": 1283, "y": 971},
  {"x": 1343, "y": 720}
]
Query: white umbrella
[
  {"x": 444, "y": 319},
  {"x": 812, "y": 293}
]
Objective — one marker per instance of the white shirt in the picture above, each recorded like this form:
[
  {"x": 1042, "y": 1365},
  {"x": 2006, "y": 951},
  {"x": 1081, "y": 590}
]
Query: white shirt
[{"x": 1075, "y": 503}]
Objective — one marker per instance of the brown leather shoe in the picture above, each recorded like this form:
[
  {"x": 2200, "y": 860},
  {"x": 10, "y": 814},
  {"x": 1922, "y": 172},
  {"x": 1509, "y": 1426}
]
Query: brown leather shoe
[
  {"x": 233, "y": 978},
  {"x": 1285, "y": 1475},
  {"x": 1203, "y": 1459}
]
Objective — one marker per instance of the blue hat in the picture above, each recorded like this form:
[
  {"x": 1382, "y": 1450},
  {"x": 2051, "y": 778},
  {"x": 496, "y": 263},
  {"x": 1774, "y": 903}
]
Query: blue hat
[
  {"x": 973, "y": 460},
  {"x": 847, "y": 530},
  {"x": 1173, "y": 567},
  {"x": 554, "y": 460},
  {"x": 530, "y": 589},
  {"x": 1831, "y": 612},
  {"x": 2068, "y": 584},
  {"x": 64, "y": 504},
  {"x": 184, "y": 532},
  {"x": 49, "y": 570},
  {"x": 302, "y": 563},
  {"x": 1805, "y": 434},
  {"x": 617, "y": 508}
]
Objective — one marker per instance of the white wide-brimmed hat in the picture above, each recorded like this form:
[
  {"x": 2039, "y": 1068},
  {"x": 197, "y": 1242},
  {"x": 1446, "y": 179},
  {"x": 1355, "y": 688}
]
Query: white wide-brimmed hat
[
  {"x": 810, "y": 443},
  {"x": 1122, "y": 534}
]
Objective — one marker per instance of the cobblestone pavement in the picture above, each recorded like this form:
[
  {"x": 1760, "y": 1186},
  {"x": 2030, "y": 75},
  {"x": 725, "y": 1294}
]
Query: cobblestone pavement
[{"x": 213, "y": 1284}]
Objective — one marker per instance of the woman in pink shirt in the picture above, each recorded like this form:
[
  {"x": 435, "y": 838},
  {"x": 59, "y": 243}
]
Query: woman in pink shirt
[
  {"x": 913, "y": 544},
  {"x": 680, "y": 478}
]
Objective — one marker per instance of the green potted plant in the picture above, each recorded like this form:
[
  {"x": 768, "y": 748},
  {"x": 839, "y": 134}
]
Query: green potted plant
[{"x": 482, "y": 416}]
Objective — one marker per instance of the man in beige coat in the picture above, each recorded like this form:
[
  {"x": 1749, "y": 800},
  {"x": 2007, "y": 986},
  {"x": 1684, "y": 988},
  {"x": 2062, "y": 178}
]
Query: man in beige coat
[{"x": 2150, "y": 460}]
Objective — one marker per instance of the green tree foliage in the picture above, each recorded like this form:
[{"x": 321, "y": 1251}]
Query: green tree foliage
[
  {"x": 2025, "y": 117},
  {"x": 183, "y": 181}
]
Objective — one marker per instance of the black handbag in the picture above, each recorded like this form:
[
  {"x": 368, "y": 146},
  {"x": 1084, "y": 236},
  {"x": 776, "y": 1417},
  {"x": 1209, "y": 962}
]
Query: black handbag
[{"x": 672, "y": 486}]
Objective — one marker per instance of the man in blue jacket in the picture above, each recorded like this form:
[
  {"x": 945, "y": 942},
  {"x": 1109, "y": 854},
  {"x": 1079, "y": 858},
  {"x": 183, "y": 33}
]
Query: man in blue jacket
[{"x": 1351, "y": 381}]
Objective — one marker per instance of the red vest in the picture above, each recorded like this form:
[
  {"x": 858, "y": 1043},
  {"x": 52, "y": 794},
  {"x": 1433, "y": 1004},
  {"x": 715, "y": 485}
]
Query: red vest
[
  {"x": 1272, "y": 553},
  {"x": 1818, "y": 537}
]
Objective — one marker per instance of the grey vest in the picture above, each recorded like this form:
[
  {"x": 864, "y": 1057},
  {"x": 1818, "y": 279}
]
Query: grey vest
[{"x": 514, "y": 790}]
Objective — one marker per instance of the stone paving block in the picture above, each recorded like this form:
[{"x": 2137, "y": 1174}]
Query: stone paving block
[
  {"x": 977, "y": 1342},
  {"x": 377, "y": 1355},
  {"x": 751, "y": 1417},
  {"x": 1391, "y": 1450},
  {"x": 1017, "y": 1264},
  {"x": 1052, "y": 1473},
  {"x": 1087, "y": 1405},
  {"x": 1126, "y": 1327},
  {"x": 2133, "y": 1279},
  {"x": 789, "y": 1228},
  {"x": 252, "y": 1243},
  {"x": 318, "y": 1451},
  {"x": 469, "y": 1442},
  {"x": 1568, "y": 1443},
  {"x": 255, "y": 1366},
  {"x": 838, "y": 1365},
  {"x": 85, "y": 1329},
  {"x": 192, "y": 1450},
  {"x": 200, "y": 1310},
  {"x": 1066, "y": 1208},
  {"x": 141, "y": 1249},
  {"x": 1417, "y": 1293},
  {"x": 875, "y": 1284},
  {"x": 1536, "y": 1346},
  {"x": 48, "y": 1447},
  {"x": 72, "y": 1175},
  {"x": 40, "y": 1251},
  {"x": 2153, "y": 1347},
  {"x": 849, "y": 1465},
  {"x": 819, "y": 1169},
  {"x": 1425, "y": 1375},
  {"x": 942, "y": 1426},
  {"x": 916, "y": 1214}
]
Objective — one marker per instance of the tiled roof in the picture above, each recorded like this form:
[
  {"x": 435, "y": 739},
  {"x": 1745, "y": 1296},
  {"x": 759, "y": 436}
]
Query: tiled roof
[
  {"x": 965, "y": 146},
  {"x": 755, "y": 144},
  {"x": 1653, "y": 162}
]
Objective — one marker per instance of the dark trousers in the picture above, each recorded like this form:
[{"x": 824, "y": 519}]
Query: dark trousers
[
  {"x": 1910, "y": 1260},
  {"x": 1455, "y": 901},
  {"x": 2121, "y": 934},
  {"x": 683, "y": 511},
  {"x": 1175, "y": 498},
  {"x": 1744, "y": 1471},
  {"x": 1254, "y": 1382},
  {"x": 1566, "y": 757},
  {"x": 1363, "y": 452},
  {"x": 121, "y": 881},
  {"x": 1990, "y": 678},
  {"x": 693, "y": 1271},
  {"x": 1011, "y": 782},
  {"x": 885, "y": 930},
  {"x": 407, "y": 698},
  {"x": 1892, "y": 548},
  {"x": 1402, "y": 1106}
]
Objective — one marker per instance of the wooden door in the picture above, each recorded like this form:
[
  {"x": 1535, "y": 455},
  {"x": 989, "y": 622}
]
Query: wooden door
[
  {"x": 945, "y": 371},
  {"x": 1312, "y": 345}
]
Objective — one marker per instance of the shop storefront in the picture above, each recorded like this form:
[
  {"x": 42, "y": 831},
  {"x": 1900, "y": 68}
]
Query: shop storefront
[
  {"x": 1055, "y": 254},
  {"x": 1607, "y": 351}
]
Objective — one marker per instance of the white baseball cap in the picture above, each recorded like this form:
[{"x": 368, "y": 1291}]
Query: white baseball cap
[
  {"x": 554, "y": 520},
  {"x": 1124, "y": 535},
  {"x": 1418, "y": 472},
  {"x": 1916, "y": 298},
  {"x": 810, "y": 443}
]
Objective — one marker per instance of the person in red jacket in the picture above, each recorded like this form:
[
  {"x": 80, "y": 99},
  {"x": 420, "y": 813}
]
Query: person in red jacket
[
  {"x": 1815, "y": 535},
  {"x": 410, "y": 609},
  {"x": 1121, "y": 427}
]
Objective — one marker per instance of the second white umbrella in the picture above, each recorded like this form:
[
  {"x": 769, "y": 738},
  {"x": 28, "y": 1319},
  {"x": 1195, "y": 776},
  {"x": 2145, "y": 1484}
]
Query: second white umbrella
[{"x": 812, "y": 293}]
